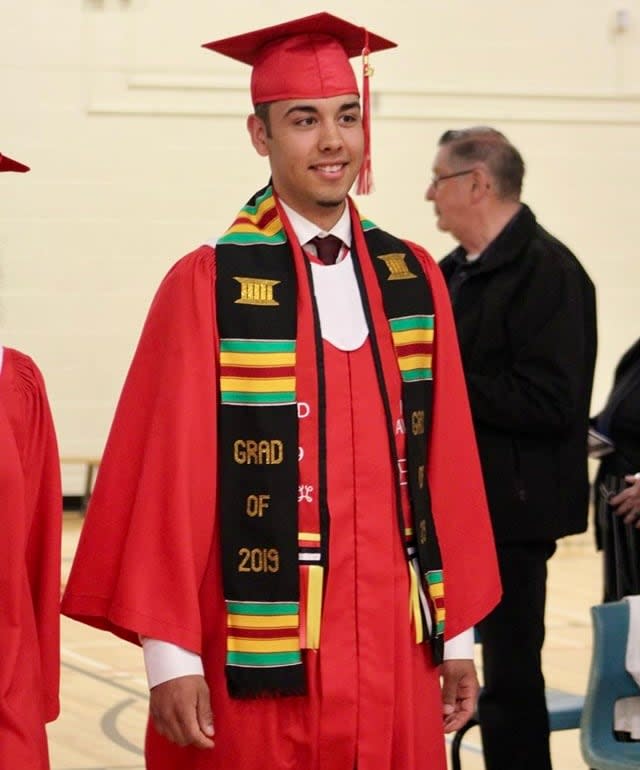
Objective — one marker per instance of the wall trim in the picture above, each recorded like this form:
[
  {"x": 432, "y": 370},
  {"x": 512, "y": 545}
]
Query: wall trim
[{"x": 224, "y": 95}]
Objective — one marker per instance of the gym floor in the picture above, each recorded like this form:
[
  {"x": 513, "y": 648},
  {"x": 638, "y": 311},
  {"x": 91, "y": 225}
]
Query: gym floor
[{"x": 104, "y": 690}]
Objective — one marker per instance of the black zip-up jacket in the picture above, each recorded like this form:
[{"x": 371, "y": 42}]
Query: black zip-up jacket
[
  {"x": 526, "y": 319},
  {"x": 623, "y": 426}
]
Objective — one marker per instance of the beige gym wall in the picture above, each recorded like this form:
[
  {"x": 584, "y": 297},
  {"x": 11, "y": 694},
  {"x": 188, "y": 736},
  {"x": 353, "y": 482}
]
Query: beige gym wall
[{"x": 136, "y": 137}]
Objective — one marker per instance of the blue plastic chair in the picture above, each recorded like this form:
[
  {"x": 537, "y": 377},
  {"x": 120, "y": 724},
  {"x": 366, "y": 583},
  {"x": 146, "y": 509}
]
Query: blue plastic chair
[
  {"x": 608, "y": 682},
  {"x": 564, "y": 709}
]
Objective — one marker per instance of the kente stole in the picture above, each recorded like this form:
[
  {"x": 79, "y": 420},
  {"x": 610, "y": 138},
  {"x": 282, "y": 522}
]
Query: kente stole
[{"x": 272, "y": 438}]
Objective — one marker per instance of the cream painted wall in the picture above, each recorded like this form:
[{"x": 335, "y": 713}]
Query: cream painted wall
[{"x": 139, "y": 153}]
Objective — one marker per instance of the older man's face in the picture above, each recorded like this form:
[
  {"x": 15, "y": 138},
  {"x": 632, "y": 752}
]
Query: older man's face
[{"x": 450, "y": 191}]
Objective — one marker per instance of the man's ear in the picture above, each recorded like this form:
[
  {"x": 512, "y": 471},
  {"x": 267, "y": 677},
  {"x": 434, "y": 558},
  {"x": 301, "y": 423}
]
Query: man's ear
[
  {"x": 258, "y": 133},
  {"x": 481, "y": 184}
]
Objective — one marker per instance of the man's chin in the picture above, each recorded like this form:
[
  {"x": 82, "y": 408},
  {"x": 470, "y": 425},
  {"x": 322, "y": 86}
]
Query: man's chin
[{"x": 330, "y": 204}]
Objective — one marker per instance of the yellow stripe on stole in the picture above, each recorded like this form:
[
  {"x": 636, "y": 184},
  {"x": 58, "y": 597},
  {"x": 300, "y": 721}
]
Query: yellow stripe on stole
[
  {"x": 414, "y": 605},
  {"x": 258, "y": 385},
  {"x": 436, "y": 590},
  {"x": 312, "y": 536},
  {"x": 234, "y": 644},
  {"x": 314, "y": 605},
  {"x": 440, "y": 613},
  {"x": 257, "y": 359},
  {"x": 265, "y": 206},
  {"x": 244, "y": 227},
  {"x": 407, "y": 363},
  {"x": 262, "y": 621},
  {"x": 412, "y": 336}
]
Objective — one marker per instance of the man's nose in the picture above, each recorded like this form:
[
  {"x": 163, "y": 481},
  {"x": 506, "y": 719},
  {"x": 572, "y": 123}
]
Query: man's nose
[{"x": 331, "y": 138}]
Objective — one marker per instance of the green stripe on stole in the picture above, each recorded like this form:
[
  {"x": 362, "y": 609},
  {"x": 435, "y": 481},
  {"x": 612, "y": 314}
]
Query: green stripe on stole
[
  {"x": 257, "y": 346},
  {"x": 409, "y": 323},
  {"x": 263, "y": 608}
]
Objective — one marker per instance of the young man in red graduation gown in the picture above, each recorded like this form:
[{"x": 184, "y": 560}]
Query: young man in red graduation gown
[
  {"x": 289, "y": 514},
  {"x": 30, "y": 521}
]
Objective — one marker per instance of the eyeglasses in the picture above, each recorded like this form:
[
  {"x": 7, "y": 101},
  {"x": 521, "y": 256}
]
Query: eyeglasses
[{"x": 435, "y": 180}]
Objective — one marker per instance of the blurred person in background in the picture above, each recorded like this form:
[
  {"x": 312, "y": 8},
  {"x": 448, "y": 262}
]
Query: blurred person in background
[
  {"x": 526, "y": 320},
  {"x": 30, "y": 534},
  {"x": 615, "y": 440}
]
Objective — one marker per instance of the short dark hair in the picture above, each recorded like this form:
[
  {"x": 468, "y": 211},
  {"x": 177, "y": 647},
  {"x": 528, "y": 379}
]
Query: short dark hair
[
  {"x": 486, "y": 144},
  {"x": 262, "y": 111}
]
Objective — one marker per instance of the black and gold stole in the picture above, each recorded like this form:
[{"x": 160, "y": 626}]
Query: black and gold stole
[{"x": 272, "y": 501}]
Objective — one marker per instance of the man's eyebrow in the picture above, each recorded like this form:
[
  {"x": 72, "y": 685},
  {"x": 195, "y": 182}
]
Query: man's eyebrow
[{"x": 308, "y": 108}]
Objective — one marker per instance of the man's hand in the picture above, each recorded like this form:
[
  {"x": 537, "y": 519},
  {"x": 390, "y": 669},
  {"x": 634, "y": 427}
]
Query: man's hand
[
  {"x": 181, "y": 711},
  {"x": 459, "y": 693},
  {"x": 627, "y": 502}
]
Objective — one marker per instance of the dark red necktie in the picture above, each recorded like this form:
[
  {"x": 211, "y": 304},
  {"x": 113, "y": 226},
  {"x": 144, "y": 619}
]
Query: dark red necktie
[{"x": 328, "y": 248}]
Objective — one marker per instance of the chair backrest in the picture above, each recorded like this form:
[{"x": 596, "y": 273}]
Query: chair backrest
[{"x": 608, "y": 678}]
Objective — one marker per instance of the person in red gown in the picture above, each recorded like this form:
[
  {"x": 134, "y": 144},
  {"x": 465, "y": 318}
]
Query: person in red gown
[
  {"x": 31, "y": 520},
  {"x": 289, "y": 515}
]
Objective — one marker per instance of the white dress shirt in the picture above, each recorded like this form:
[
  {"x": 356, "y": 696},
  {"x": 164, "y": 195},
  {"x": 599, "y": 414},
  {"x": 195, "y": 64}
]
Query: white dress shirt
[{"x": 342, "y": 319}]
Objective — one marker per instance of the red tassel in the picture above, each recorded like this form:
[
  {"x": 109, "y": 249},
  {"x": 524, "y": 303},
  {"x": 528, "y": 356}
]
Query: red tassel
[{"x": 365, "y": 177}]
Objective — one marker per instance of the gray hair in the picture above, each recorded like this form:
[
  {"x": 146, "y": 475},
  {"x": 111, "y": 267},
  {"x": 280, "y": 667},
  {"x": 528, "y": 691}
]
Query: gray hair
[{"x": 489, "y": 146}]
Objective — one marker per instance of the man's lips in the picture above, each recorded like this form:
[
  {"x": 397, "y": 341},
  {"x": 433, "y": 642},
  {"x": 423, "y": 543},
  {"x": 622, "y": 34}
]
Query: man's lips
[{"x": 329, "y": 169}]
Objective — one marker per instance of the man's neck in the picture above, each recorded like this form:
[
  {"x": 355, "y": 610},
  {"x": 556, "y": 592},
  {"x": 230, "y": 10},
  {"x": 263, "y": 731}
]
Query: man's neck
[
  {"x": 323, "y": 217},
  {"x": 305, "y": 229},
  {"x": 488, "y": 227}
]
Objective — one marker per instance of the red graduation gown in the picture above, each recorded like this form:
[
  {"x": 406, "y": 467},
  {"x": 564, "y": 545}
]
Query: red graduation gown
[
  {"x": 148, "y": 562},
  {"x": 30, "y": 522}
]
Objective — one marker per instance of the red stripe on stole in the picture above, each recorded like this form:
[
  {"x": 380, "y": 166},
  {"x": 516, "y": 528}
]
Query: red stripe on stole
[
  {"x": 257, "y": 371},
  {"x": 415, "y": 349},
  {"x": 263, "y": 633},
  {"x": 270, "y": 215}
]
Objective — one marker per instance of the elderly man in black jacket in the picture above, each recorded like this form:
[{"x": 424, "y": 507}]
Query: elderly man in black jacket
[{"x": 525, "y": 312}]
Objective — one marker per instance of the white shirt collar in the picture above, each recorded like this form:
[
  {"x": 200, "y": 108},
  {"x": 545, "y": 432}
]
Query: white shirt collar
[{"x": 306, "y": 230}]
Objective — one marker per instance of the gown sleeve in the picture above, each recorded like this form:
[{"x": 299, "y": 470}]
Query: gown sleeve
[
  {"x": 29, "y": 413},
  {"x": 147, "y": 535}
]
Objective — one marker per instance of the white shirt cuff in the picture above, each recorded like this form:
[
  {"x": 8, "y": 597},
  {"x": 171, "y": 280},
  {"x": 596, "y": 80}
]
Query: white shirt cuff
[
  {"x": 164, "y": 661},
  {"x": 460, "y": 647}
]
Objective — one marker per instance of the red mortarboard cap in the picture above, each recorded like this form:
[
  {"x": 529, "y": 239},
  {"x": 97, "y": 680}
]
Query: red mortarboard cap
[
  {"x": 307, "y": 58},
  {"x": 8, "y": 164}
]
